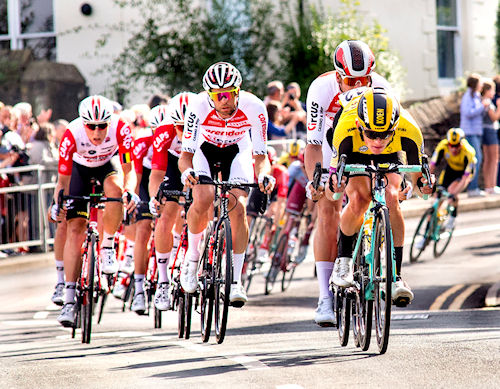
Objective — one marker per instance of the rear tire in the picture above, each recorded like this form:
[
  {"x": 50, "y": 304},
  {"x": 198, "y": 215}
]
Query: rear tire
[
  {"x": 180, "y": 315},
  {"x": 188, "y": 309},
  {"x": 423, "y": 230},
  {"x": 343, "y": 313},
  {"x": 275, "y": 268},
  {"x": 443, "y": 236}
]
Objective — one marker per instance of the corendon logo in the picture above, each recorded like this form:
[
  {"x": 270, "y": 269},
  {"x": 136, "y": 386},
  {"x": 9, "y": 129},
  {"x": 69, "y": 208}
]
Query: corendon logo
[
  {"x": 160, "y": 140},
  {"x": 314, "y": 116},
  {"x": 225, "y": 132},
  {"x": 188, "y": 132},
  {"x": 128, "y": 141},
  {"x": 263, "y": 122},
  {"x": 64, "y": 149}
]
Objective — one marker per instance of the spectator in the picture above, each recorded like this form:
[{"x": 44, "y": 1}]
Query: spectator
[
  {"x": 471, "y": 121},
  {"x": 157, "y": 100},
  {"x": 43, "y": 151},
  {"x": 275, "y": 127},
  {"x": 275, "y": 92},
  {"x": 60, "y": 128},
  {"x": 25, "y": 122},
  {"x": 490, "y": 138},
  {"x": 293, "y": 108}
]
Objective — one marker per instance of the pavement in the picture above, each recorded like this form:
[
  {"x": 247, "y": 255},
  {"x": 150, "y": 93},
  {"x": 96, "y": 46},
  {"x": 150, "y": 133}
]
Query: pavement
[{"x": 413, "y": 207}]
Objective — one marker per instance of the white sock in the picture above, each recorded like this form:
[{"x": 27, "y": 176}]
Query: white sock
[
  {"x": 162, "y": 261},
  {"x": 70, "y": 292},
  {"x": 193, "y": 254},
  {"x": 238, "y": 260},
  {"x": 176, "y": 238},
  {"x": 108, "y": 240},
  {"x": 139, "y": 283},
  {"x": 324, "y": 271},
  {"x": 60, "y": 271}
]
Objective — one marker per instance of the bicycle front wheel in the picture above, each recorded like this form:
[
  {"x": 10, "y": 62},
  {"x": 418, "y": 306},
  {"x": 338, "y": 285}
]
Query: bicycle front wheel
[
  {"x": 443, "y": 236},
  {"x": 207, "y": 290},
  {"x": 421, "y": 236},
  {"x": 383, "y": 277},
  {"x": 276, "y": 264},
  {"x": 188, "y": 308},
  {"x": 88, "y": 291},
  {"x": 181, "y": 325},
  {"x": 223, "y": 277},
  {"x": 343, "y": 313}
]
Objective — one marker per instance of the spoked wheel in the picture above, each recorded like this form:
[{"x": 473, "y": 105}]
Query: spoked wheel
[
  {"x": 104, "y": 297},
  {"x": 188, "y": 309},
  {"x": 383, "y": 275},
  {"x": 343, "y": 313},
  {"x": 362, "y": 308},
  {"x": 443, "y": 236},
  {"x": 78, "y": 321},
  {"x": 181, "y": 325},
  {"x": 157, "y": 318},
  {"x": 88, "y": 292},
  {"x": 207, "y": 292},
  {"x": 288, "y": 274},
  {"x": 421, "y": 233},
  {"x": 276, "y": 263},
  {"x": 129, "y": 292},
  {"x": 223, "y": 262}
]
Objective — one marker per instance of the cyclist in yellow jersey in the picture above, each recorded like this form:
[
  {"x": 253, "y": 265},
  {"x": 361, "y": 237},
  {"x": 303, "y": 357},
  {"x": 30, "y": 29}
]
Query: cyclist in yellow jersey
[
  {"x": 294, "y": 149},
  {"x": 461, "y": 163},
  {"x": 372, "y": 128}
]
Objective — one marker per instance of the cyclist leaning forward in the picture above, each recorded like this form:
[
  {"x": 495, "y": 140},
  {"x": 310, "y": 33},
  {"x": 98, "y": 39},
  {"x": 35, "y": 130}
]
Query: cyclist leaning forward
[
  {"x": 371, "y": 129},
  {"x": 461, "y": 162},
  {"x": 224, "y": 125},
  {"x": 169, "y": 123},
  {"x": 88, "y": 150}
]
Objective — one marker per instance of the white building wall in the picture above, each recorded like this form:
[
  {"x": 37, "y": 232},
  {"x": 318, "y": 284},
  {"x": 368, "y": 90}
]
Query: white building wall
[{"x": 410, "y": 24}]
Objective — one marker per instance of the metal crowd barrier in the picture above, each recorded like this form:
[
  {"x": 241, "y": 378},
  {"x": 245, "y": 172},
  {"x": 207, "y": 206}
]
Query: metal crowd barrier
[{"x": 23, "y": 211}]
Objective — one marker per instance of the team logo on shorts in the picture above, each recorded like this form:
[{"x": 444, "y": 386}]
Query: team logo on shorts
[{"x": 363, "y": 149}]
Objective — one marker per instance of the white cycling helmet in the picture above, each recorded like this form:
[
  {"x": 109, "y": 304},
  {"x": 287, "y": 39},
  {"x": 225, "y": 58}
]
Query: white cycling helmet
[
  {"x": 159, "y": 115},
  {"x": 95, "y": 109},
  {"x": 354, "y": 59},
  {"x": 178, "y": 106},
  {"x": 221, "y": 75}
]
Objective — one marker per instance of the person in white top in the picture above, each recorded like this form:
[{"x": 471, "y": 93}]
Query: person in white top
[
  {"x": 223, "y": 125},
  {"x": 88, "y": 150},
  {"x": 354, "y": 63}
]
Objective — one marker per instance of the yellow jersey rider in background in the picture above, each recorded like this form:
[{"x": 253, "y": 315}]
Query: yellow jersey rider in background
[{"x": 372, "y": 128}]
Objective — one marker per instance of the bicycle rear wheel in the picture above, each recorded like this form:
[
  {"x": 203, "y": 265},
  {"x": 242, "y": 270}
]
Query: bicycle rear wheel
[
  {"x": 188, "y": 309},
  {"x": 362, "y": 307},
  {"x": 443, "y": 236},
  {"x": 422, "y": 232},
  {"x": 88, "y": 291},
  {"x": 180, "y": 314},
  {"x": 343, "y": 313},
  {"x": 287, "y": 274},
  {"x": 383, "y": 277},
  {"x": 276, "y": 263},
  {"x": 223, "y": 263}
]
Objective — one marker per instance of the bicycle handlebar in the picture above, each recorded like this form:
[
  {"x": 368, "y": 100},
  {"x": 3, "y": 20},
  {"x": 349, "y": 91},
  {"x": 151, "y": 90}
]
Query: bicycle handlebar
[{"x": 203, "y": 180}]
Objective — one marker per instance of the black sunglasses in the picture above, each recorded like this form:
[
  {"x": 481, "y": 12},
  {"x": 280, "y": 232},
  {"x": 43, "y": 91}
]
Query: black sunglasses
[
  {"x": 454, "y": 146},
  {"x": 377, "y": 134},
  {"x": 100, "y": 126}
]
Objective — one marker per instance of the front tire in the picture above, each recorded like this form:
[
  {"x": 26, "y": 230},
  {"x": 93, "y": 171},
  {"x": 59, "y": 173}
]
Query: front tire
[
  {"x": 422, "y": 232},
  {"x": 88, "y": 293}
]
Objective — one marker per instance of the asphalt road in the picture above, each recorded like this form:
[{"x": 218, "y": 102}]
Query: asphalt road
[{"x": 446, "y": 338}]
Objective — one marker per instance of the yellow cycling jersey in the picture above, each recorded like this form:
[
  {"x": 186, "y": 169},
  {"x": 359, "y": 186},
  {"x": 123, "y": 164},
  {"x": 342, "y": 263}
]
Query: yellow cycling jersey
[
  {"x": 348, "y": 140},
  {"x": 464, "y": 161}
]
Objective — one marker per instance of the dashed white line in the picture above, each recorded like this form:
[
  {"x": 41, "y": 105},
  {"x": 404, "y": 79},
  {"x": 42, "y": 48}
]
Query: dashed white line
[
  {"x": 41, "y": 315},
  {"x": 248, "y": 363}
]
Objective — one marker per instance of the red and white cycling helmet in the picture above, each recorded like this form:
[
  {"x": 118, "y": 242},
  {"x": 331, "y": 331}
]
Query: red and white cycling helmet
[
  {"x": 95, "y": 109},
  {"x": 159, "y": 115},
  {"x": 354, "y": 59},
  {"x": 178, "y": 106},
  {"x": 221, "y": 75}
]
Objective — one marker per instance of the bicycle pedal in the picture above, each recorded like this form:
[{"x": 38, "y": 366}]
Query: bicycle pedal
[
  {"x": 327, "y": 324},
  {"x": 237, "y": 304},
  {"x": 401, "y": 302}
]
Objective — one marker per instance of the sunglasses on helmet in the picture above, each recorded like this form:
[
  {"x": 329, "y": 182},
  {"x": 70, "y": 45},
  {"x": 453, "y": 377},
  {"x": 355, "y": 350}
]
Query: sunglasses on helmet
[
  {"x": 218, "y": 96},
  {"x": 352, "y": 81},
  {"x": 377, "y": 134},
  {"x": 94, "y": 126}
]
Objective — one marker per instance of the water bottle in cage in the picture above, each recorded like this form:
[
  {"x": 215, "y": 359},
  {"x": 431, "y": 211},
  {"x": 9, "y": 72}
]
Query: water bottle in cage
[{"x": 292, "y": 240}]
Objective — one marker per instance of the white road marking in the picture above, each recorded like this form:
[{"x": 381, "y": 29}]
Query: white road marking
[
  {"x": 30, "y": 323},
  {"x": 460, "y": 299},
  {"x": 248, "y": 363},
  {"x": 41, "y": 315},
  {"x": 52, "y": 307},
  {"x": 492, "y": 299},
  {"x": 440, "y": 300},
  {"x": 410, "y": 316}
]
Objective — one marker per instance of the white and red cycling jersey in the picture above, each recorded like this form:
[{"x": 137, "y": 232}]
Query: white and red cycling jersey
[
  {"x": 143, "y": 150},
  {"x": 322, "y": 105},
  {"x": 247, "y": 127},
  {"x": 164, "y": 141},
  {"x": 76, "y": 146}
]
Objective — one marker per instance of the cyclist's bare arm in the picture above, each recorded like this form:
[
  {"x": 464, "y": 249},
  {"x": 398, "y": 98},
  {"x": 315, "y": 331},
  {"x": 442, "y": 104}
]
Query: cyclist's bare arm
[
  {"x": 185, "y": 163},
  {"x": 262, "y": 166},
  {"x": 129, "y": 183},
  {"x": 63, "y": 182}
]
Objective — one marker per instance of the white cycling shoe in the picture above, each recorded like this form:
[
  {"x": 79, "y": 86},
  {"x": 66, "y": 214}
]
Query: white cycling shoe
[
  {"x": 342, "y": 272},
  {"x": 189, "y": 276},
  {"x": 68, "y": 315},
  {"x": 238, "y": 296},
  {"x": 58, "y": 296},
  {"x": 127, "y": 265},
  {"x": 109, "y": 263},
  {"x": 324, "y": 315},
  {"x": 401, "y": 293},
  {"x": 162, "y": 300},
  {"x": 139, "y": 304}
]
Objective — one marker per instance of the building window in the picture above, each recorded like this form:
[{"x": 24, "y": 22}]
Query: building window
[
  {"x": 448, "y": 39},
  {"x": 28, "y": 24}
]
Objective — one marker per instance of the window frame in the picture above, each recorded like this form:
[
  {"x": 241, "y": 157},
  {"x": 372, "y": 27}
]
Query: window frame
[{"x": 448, "y": 82}]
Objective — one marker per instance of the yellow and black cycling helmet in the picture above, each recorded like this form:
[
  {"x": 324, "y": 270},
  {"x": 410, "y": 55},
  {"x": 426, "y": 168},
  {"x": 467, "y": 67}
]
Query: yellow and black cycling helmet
[
  {"x": 295, "y": 147},
  {"x": 455, "y": 136},
  {"x": 378, "y": 110}
]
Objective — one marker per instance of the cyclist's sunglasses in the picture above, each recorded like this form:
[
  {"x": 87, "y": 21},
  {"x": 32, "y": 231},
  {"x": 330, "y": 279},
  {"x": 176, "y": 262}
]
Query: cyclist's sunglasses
[
  {"x": 454, "y": 146},
  {"x": 218, "y": 96},
  {"x": 377, "y": 134},
  {"x": 93, "y": 126},
  {"x": 351, "y": 81}
]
